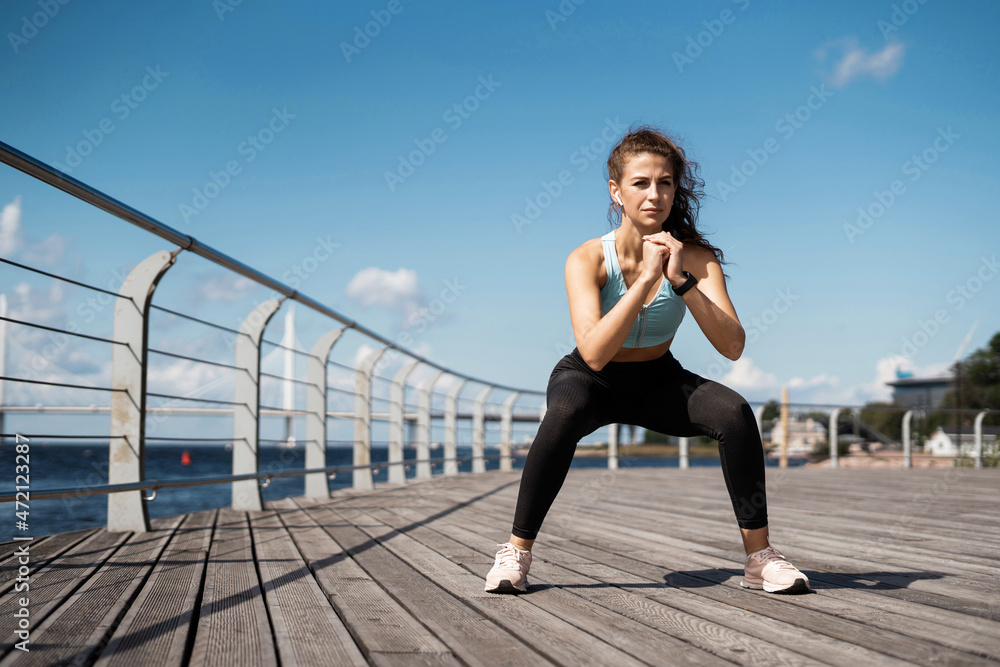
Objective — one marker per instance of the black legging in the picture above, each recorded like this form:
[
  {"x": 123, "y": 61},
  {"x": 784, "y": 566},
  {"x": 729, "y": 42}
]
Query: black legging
[{"x": 659, "y": 395}]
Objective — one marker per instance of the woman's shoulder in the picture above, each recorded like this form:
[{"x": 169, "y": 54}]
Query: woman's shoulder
[{"x": 588, "y": 252}]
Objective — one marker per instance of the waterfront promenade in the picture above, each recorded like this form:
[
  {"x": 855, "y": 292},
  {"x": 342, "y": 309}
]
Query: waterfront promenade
[{"x": 635, "y": 566}]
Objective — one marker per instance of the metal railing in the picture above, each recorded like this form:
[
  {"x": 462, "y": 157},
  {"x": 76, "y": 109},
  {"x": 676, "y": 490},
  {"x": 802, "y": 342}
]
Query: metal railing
[
  {"x": 128, "y": 409},
  {"x": 126, "y": 488}
]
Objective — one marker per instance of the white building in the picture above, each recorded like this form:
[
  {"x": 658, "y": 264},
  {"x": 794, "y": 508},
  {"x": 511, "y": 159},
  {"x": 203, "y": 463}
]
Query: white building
[
  {"x": 803, "y": 436},
  {"x": 945, "y": 443}
]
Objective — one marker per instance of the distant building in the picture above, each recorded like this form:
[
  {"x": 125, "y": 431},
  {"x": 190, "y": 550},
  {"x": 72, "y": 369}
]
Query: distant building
[
  {"x": 803, "y": 436},
  {"x": 913, "y": 393},
  {"x": 945, "y": 442}
]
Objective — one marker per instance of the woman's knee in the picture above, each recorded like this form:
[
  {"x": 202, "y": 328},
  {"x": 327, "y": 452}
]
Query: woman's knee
[{"x": 721, "y": 408}]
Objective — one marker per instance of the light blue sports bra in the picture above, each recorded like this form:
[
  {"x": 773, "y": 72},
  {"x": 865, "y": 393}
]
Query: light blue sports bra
[{"x": 657, "y": 322}]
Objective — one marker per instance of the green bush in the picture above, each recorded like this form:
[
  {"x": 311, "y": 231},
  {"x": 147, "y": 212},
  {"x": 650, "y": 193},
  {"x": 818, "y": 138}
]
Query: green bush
[{"x": 822, "y": 449}]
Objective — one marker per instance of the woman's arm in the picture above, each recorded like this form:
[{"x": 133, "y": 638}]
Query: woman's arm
[
  {"x": 710, "y": 304},
  {"x": 599, "y": 338}
]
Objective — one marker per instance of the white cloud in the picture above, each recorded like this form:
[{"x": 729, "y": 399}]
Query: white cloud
[
  {"x": 855, "y": 61},
  {"x": 48, "y": 252},
  {"x": 745, "y": 376},
  {"x": 10, "y": 227},
  {"x": 821, "y": 380},
  {"x": 394, "y": 290},
  {"x": 227, "y": 287}
]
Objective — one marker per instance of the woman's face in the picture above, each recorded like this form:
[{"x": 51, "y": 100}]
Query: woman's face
[{"x": 647, "y": 190}]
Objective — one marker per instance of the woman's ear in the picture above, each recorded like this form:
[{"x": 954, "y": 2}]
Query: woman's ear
[{"x": 615, "y": 194}]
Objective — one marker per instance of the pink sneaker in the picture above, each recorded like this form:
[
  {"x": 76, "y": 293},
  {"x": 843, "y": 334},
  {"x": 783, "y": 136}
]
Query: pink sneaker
[
  {"x": 769, "y": 570},
  {"x": 510, "y": 571}
]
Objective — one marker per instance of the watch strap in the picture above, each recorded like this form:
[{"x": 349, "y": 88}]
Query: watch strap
[{"x": 686, "y": 285}]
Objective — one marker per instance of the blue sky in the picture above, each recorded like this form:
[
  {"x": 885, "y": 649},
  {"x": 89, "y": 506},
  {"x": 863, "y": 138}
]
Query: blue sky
[{"x": 848, "y": 151}]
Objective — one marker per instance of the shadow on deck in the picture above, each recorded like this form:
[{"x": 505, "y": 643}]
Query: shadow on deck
[{"x": 637, "y": 566}]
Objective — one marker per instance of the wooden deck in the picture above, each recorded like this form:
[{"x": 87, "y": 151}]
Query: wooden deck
[{"x": 639, "y": 566}]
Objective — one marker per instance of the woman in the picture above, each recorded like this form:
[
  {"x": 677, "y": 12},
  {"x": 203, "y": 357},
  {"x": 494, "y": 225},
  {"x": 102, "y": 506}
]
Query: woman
[{"x": 628, "y": 292}]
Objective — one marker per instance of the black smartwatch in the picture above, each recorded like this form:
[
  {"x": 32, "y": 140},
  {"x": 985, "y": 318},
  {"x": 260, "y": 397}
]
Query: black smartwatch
[{"x": 686, "y": 285}]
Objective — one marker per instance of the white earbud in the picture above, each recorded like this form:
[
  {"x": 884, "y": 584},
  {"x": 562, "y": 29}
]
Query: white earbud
[{"x": 619, "y": 200}]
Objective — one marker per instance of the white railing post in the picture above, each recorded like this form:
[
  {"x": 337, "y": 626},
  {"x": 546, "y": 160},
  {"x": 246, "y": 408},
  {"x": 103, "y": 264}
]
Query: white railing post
[
  {"x": 479, "y": 431},
  {"x": 424, "y": 425},
  {"x": 612, "y": 446},
  {"x": 127, "y": 449},
  {"x": 907, "y": 440},
  {"x": 317, "y": 483},
  {"x": 397, "y": 414},
  {"x": 451, "y": 428},
  {"x": 506, "y": 432},
  {"x": 759, "y": 415},
  {"x": 683, "y": 450},
  {"x": 833, "y": 437},
  {"x": 363, "y": 480},
  {"x": 977, "y": 427},
  {"x": 246, "y": 414}
]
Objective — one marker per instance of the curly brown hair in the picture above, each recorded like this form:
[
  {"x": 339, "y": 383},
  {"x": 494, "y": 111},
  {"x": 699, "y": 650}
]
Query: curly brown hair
[{"x": 683, "y": 217}]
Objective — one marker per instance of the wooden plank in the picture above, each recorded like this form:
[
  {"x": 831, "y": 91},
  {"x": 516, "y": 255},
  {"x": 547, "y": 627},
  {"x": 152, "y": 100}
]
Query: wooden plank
[
  {"x": 470, "y": 635},
  {"x": 79, "y": 628},
  {"x": 158, "y": 625},
  {"x": 609, "y": 528},
  {"x": 914, "y": 648},
  {"x": 233, "y": 627},
  {"x": 385, "y": 631},
  {"x": 41, "y": 552},
  {"x": 55, "y": 582},
  {"x": 820, "y": 558},
  {"x": 748, "y": 635},
  {"x": 307, "y": 630},
  {"x": 833, "y": 554},
  {"x": 673, "y": 630}
]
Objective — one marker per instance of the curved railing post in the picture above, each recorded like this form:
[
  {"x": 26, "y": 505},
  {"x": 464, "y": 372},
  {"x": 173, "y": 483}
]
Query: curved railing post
[
  {"x": 907, "y": 440},
  {"x": 833, "y": 437},
  {"x": 612, "y": 446},
  {"x": 683, "y": 453},
  {"x": 127, "y": 449},
  {"x": 977, "y": 427},
  {"x": 317, "y": 483},
  {"x": 506, "y": 431},
  {"x": 479, "y": 431},
  {"x": 759, "y": 415},
  {"x": 397, "y": 415},
  {"x": 451, "y": 428},
  {"x": 363, "y": 420},
  {"x": 246, "y": 414},
  {"x": 424, "y": 426}
]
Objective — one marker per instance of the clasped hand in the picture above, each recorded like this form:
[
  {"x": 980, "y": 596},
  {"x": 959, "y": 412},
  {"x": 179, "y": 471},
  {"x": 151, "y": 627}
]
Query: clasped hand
[{"x": 664, "y": 251}]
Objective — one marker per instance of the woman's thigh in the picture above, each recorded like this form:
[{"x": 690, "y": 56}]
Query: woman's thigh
[{"x": 685, "y": 404}]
